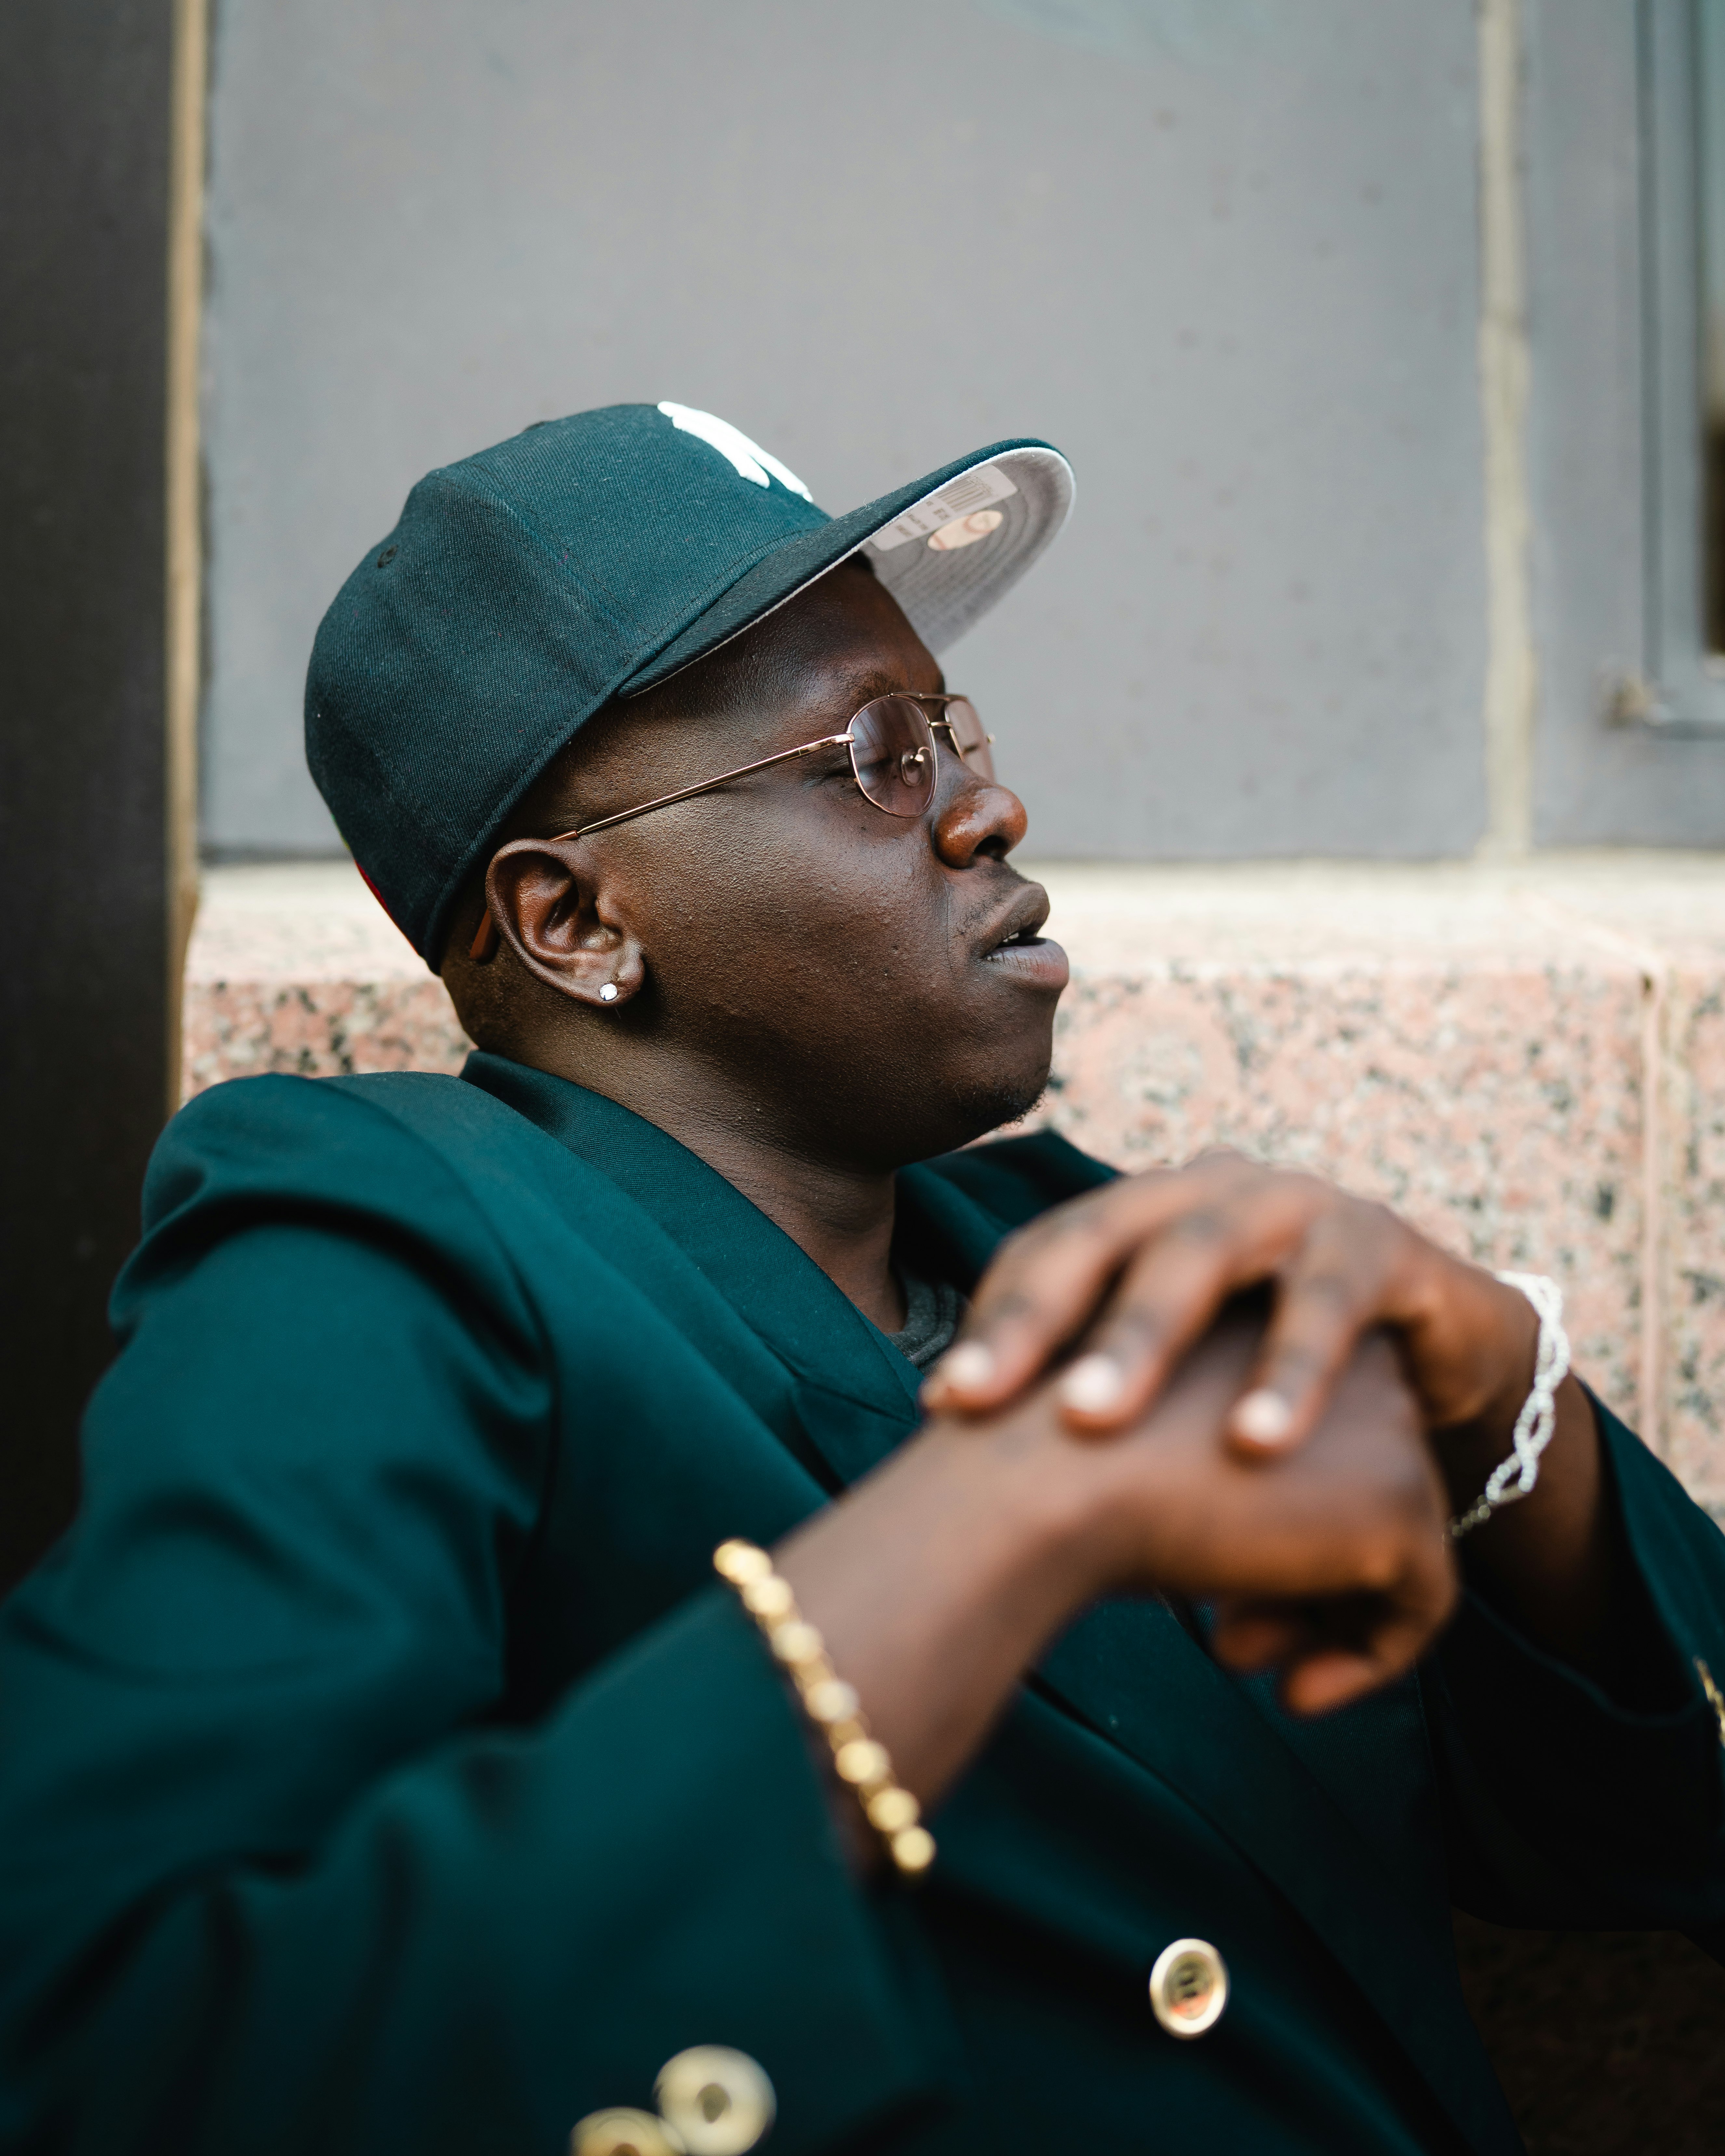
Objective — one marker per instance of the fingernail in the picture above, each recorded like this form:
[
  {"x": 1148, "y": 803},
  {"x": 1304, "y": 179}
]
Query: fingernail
[
  {"x": 1263, "y": 1416},
  {"x": 965, "y": 1366},
  {"x": 1093, "y": 1384}
]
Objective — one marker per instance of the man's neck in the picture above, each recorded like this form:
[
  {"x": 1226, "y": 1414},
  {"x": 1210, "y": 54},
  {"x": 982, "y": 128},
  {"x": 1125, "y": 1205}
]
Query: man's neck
[
  {"x": 842, "y": 1218},
  {"x": 839, "y": 1215}
]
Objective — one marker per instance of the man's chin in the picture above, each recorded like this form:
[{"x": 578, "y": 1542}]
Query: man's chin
[{"x": 995, "y": 1106}]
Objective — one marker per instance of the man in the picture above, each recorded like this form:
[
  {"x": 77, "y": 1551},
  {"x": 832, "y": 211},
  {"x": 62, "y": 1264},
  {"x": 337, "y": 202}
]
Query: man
[{"x": 383, "y": 1765}]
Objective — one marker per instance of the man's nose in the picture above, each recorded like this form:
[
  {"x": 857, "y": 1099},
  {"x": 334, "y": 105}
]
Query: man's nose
[{"x": 975, "y": 816}]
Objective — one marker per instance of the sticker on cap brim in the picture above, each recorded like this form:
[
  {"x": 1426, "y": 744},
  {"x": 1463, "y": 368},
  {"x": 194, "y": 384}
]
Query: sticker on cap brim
[
  {"x": 957, "y": 503},
  {"x": 966, "y": 530}
]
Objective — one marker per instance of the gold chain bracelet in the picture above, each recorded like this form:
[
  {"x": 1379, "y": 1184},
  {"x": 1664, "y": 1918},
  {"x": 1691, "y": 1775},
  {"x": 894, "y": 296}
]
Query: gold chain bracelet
[{"x": 830, "y": 1704}]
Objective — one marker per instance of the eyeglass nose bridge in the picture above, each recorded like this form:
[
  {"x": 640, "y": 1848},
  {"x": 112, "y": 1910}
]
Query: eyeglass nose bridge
[{"x": 943, "y": 720}]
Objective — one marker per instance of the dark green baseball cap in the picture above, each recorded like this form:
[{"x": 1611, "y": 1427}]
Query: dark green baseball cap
[{"x": 588, "y": 558}]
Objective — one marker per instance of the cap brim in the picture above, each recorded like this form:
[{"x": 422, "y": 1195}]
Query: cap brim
[{"x": 1025, "y": 489}]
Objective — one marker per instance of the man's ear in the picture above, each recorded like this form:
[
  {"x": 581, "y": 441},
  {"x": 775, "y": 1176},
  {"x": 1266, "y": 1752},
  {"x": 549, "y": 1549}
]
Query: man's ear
[{"x": 566, "y": 926}]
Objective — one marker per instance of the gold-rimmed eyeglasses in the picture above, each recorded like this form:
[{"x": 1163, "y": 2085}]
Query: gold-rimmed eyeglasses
[{"x": 892, "y": 755}]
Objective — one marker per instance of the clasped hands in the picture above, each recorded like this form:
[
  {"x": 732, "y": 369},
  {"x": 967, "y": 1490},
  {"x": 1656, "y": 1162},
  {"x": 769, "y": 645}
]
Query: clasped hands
[{"x": 1293, "y": 1465}]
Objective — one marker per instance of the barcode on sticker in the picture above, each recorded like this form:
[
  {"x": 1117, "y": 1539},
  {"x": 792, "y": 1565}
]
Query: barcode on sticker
[{"x": 972, "y": 489}]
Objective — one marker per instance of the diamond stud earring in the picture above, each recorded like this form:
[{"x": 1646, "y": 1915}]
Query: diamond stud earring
[{"x": 608, "y": 995}]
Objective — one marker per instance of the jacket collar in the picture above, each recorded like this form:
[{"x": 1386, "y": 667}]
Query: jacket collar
[{"x": 812, "y": 1326}]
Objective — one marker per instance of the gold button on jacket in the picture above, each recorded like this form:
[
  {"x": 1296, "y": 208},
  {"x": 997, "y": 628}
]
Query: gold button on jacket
[
  {"x": 1188, "y": 1987},
  {"x": 718, "y": 2102},
  {"x": 621, "y": 2132}
]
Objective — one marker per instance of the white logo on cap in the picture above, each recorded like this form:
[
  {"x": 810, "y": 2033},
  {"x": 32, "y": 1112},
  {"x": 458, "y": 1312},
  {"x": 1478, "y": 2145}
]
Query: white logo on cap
[{"x": 752, "y": 461}]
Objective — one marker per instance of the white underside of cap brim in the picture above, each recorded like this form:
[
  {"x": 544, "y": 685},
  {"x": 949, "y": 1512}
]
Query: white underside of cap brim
[{"x": 945, "y": 591}]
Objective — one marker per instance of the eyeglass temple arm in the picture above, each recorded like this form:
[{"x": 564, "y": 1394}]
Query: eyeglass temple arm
[
  {"x": 706, "y": 786},
  {"x": 484, "y": 940}
]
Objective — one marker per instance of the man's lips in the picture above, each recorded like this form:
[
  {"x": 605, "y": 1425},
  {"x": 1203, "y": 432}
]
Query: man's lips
[
  {"x": 1013, "y": 941},
  {"x": 1019, "y": 921}
]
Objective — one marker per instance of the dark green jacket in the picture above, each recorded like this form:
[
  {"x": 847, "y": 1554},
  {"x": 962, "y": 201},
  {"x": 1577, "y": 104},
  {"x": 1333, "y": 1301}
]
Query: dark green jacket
[{"x": 381, "y": 1769}]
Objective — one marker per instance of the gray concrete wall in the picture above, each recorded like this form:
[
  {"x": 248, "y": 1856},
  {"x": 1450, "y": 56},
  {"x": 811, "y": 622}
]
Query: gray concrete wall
[{"x": 1222, "y": 251}]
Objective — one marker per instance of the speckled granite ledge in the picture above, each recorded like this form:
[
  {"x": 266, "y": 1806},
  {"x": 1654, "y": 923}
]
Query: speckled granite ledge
[{"x": 1530, "y": 1061}]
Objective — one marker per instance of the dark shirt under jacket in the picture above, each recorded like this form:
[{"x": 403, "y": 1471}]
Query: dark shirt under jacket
[{"x": 381, "y": 1769}]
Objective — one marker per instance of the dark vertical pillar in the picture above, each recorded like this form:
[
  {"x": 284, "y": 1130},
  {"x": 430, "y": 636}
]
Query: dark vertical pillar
[{"x": 85, "y": 149}]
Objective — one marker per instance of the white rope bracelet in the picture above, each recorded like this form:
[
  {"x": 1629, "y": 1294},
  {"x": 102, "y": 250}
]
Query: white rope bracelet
[{"x": 1514, "y": 1477}]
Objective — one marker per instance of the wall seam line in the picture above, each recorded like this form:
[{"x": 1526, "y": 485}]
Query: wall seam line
[
  {"x": 1511, "y": 657},
  {"x": 1656, "y": 967}
]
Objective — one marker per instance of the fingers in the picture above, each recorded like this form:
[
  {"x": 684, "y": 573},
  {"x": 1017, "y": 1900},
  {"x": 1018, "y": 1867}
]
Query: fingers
[
  {"x": 1335, "y": 1673},
  {"x": 1334, "y": 1650},
  {"x": 1249, "y": 1636},
  {"x": 1174, "y": 1244},
  {"x": 1047, "y": 1283},
  {"x": 1372, "y": 1574},
  {"x": 1166, "y": 1301},
  {"x": 1329, "y": 1679},
  {"x": 1328, "y": 1655},
  {"x": 1321, "y": 1670},
  {"x": 1344, "y": 1279},
  {"x": 1170, "y": 1294}
]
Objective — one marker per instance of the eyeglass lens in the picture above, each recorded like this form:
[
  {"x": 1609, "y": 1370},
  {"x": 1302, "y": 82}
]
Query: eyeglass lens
[{"x": 893, "y": 754}]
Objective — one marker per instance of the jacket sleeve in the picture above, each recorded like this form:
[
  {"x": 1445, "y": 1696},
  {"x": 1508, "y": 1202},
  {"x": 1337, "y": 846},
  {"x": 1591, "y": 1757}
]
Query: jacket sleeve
[
  {"x": 1565, "y": 1807},
  {"x": 274, "y": 1872}
]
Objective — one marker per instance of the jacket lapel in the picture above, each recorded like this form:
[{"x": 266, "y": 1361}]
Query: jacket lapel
[{"x": 855, "y": 1397}]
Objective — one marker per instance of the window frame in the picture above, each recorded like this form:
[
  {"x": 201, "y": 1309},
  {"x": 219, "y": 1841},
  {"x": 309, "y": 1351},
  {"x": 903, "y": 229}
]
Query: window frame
[{"x": 1682, "y": 690}]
